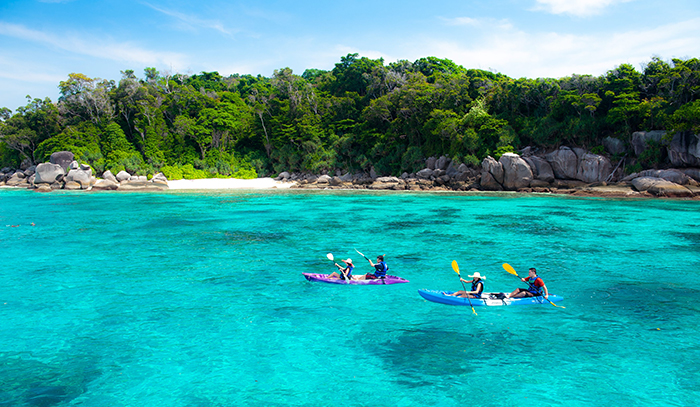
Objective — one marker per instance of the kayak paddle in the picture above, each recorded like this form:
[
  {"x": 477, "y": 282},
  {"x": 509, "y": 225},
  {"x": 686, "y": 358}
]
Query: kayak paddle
[
  {"x": 330, "y": 257},
  {"x": 507, "y": 267},
  {"x": 455, "y": 267},
  {"x": 362, "y": 254}
]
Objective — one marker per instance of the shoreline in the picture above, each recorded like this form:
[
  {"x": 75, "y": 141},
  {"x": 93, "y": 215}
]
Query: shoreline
[
  {"x": 228, "y": 183},
  {"x": 613, "y": 190}
]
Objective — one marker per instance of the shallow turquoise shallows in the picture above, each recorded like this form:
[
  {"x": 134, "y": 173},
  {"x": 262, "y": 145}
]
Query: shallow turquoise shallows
[{"x": 197, "y": 299}]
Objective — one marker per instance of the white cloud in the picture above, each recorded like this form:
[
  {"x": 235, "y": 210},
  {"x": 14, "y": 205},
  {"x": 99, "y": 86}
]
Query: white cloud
[
  {"x": 191, "y": 22},
  {"x": 517, "y": 53},
  {"x": 463, "y": 21},
  {"x": 478, "y": 22},
  {"x": 580, "y": 8},
  {"x": 104, "y": 49}
]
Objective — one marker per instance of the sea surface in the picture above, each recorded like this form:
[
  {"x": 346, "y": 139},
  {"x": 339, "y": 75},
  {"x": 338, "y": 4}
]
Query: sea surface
[{"x": 197, "y": 299}]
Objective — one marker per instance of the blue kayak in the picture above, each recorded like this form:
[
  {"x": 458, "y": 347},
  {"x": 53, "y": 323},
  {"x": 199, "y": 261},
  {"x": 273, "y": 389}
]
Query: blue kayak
[{"x": 488, "y": 299}]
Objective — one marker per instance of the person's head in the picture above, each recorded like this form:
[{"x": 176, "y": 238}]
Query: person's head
[
  {"x": 380, "y": 258},
  {"x": 348, "y": 262},
  {"x": 477, "y": 276},
  {"x": 532, "y": 272}
]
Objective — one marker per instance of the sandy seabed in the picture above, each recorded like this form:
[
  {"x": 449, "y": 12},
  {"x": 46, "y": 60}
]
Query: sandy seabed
[{"x": 228, "y": 183}]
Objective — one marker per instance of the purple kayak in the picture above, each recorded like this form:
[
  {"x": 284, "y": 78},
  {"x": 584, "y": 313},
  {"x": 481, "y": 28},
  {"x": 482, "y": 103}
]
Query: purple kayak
[{"x": 380, "y": 281}]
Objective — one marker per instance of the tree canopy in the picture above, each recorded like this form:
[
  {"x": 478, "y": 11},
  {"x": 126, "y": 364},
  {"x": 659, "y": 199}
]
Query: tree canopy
[{"x": 360, "y": 114}]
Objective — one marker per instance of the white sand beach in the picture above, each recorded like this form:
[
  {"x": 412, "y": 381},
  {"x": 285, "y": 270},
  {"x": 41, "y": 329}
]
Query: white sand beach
[{"x": 228, "y": 183}]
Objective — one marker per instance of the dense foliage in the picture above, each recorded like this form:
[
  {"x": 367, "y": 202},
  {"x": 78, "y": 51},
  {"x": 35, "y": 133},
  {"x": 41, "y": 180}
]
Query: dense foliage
[{"x": 358, "y": 115}]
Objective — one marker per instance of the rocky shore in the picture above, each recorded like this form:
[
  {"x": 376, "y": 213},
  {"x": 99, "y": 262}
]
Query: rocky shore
[
  {"x": 52, "y": 175},
  {"x": 571, "y": 171},
  {"x": 565, "y": 170}
]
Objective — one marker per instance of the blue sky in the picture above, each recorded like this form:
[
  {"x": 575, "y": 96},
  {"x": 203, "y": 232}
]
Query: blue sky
[{"x": 42, "y": 41}]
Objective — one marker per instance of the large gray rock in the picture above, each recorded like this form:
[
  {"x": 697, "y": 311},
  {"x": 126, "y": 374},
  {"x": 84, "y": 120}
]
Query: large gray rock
[
  {"x": 660, "y": 187},
  {"x": 109, "y": 176},
  {"x": 516, "y": 172},
  {"x": 17, "y": 180},
  {"x": 675, "y": 176},
  {"x": 324, "y": 179},
  {"x": 541, "y": 169},
  {"x": 640, "y": 140},
  {"x": 62, "y": 158},
  {"x": 105, "y": 185},
  {"x": 493, "y": 167},
  {"x": 451, "y": 170},
  {"x": 159, "y": 177},
  {"x": 564, "y": 163},
  {"x": 614, "y": 145},
  {"x": 430, "y": 163},
  {"x": 123, "y": 176},
  {"x": 425, "y": 173},
  {"x": 47, "y": 173},
  {"x": 283, "y": 176},
  {"x": 684, "y": 150},
  {"x": 693, "y": 173},
  {"x": 442, "y": 163},
  {"x": 30, "y": 171},
  {"x": 80, "y": 176},
  {"x": 489, "y": 183},
  {"x": 593, "y": 168}
]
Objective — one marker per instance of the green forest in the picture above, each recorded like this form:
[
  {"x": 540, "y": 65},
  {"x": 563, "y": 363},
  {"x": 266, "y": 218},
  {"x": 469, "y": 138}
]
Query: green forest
[{"x": 360, "y": 114}]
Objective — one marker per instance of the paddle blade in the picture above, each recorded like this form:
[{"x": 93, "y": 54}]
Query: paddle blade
[
  {"x": 455, "y": 267},
  {"x": 330, "y": 256},
  {"x": 507, "y": 267}
]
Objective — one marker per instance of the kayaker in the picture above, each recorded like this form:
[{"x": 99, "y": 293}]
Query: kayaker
[
  {"x": 380, "y": 269},
  {"x": 536, "y": 286},
  {"x": 345, "y": 272},
  {"x": 477, "y": 287}
]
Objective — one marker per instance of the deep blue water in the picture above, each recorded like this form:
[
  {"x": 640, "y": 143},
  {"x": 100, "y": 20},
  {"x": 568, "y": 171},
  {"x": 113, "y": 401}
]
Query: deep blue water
[{"x": 197, "y": 299}]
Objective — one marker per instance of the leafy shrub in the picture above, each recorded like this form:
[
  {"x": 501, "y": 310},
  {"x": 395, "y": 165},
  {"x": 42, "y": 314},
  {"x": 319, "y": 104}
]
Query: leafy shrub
[
  {"x": 502, "y": 150},
  {"x": 600, "y": 150},
  {"x": 171, "y": 172}
]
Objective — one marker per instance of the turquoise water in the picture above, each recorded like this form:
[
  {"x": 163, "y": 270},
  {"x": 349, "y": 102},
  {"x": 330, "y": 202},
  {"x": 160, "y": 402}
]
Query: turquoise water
[{"x": 187, "y": 299}]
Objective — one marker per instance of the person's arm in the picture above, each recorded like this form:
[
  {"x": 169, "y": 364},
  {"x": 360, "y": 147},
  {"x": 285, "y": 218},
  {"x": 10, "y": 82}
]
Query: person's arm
[{"x": 546, "y": 292}]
